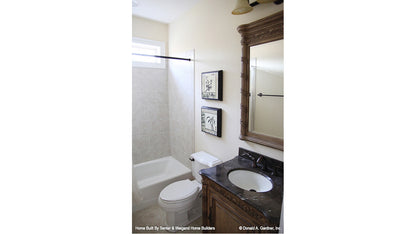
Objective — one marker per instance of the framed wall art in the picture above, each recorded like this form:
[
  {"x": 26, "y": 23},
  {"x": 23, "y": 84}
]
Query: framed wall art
[
  {"x": 211, "y": 85},
  {"x": 211, "y": 120}
]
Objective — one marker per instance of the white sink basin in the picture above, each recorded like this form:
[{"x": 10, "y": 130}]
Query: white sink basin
[{"x": 249, "y": 180}]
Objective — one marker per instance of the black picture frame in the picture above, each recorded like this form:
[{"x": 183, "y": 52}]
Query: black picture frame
[
  {"x": 211, "y": 85},
  {"x": 211, "y": 120}
]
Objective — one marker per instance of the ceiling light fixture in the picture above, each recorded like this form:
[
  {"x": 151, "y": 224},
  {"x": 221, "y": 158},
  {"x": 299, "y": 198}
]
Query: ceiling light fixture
[{"x": 243, "y": 6}]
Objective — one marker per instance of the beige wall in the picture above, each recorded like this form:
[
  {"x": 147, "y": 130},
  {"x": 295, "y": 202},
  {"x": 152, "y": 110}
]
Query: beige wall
[
  {"x": 210, "y": 29},
  {"x": 151, "y": 30}
]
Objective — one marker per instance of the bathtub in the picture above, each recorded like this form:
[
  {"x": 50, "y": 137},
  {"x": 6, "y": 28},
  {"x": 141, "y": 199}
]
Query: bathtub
[{"x": 149, "y": 179}]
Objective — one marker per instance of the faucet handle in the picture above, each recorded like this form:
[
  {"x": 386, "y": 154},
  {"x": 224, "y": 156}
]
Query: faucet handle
[
  {"x": 252, "y": 158},
  {"x": 277, "y": 171},
  {"x": 274, "y": 171}
]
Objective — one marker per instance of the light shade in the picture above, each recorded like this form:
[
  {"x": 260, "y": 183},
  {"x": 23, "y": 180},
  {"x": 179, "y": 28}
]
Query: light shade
[
  {"x": 242, "y": 7},
  {"x": 265, "y": 1}
]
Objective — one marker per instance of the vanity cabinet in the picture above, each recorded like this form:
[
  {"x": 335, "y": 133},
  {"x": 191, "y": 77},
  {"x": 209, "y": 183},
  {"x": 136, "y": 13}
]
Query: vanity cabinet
[{"x": 228, "y": 213}]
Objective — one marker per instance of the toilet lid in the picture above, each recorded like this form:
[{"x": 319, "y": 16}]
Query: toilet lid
[{"x": 179, "y": 190}]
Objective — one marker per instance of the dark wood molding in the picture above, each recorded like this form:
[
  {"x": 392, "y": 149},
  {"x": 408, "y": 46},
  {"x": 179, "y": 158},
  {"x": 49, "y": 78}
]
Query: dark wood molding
[
  {"x": 258, "y": 32},
  {"x": 205, "y": 210}
]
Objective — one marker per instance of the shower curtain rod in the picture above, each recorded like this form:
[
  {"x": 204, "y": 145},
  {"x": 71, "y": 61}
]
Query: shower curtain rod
[
  {"x": 268, "y": 95},
  {"x": 165, "y": 57}
]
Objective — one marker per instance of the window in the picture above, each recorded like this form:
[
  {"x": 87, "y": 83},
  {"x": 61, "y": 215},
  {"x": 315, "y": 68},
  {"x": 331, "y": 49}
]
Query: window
[{"x": 143, "y": 46}]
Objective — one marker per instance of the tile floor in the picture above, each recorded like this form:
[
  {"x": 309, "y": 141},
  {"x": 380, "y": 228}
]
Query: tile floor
[{"x": 155, "y": 216}]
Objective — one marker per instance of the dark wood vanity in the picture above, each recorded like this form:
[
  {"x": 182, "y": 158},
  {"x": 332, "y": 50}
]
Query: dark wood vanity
[
  {"x": 230, "y": 209},
  {"x": 228, "y": 213}
]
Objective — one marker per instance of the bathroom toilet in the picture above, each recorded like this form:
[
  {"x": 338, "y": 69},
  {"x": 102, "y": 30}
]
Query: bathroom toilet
[{"x": 182, "y": 200}]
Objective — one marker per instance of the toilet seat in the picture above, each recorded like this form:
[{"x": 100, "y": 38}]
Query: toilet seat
[{"x": 179, "y": 191}]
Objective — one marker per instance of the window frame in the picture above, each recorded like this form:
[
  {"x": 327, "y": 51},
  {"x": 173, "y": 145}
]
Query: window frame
[{"x": 152, "y": 43}]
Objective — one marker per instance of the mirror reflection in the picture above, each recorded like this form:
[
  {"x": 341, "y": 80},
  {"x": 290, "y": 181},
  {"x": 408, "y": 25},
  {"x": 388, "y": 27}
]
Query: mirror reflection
[{"x": 266, "y": 89}]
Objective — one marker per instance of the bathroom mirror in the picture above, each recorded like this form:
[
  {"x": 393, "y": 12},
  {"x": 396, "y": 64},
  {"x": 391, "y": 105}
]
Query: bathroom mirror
[{"x": 262, "y": 81}]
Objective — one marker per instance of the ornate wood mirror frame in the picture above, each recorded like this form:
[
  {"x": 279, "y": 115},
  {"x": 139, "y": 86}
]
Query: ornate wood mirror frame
[{"x": 258, "y": 32}]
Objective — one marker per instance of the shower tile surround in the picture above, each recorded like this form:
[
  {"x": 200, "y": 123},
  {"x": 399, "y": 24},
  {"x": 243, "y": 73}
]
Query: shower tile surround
[
  {"x": 163, "y": 111},
  {"x": 150, "y": 122}
]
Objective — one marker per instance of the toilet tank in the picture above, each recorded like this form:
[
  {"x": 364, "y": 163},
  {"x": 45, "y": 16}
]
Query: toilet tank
[{"x": 201, "y": 160}]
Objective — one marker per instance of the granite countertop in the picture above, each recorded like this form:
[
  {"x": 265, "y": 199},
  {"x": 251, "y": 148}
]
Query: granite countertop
[{"x": 269, "y": 203}]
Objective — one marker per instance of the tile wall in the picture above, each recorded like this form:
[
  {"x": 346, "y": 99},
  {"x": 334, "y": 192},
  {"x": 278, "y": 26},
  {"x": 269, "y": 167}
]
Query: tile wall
[
  {"x": 150, "y": 124},
  {"x": 181, "y": 108}
]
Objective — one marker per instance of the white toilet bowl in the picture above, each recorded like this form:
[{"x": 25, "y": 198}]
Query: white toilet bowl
[{"x": 182, "y": 200}]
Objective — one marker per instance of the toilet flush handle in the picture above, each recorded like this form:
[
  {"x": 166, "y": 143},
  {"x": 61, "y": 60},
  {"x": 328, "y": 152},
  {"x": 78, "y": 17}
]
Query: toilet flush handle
[{"x": 191, "y": 159}]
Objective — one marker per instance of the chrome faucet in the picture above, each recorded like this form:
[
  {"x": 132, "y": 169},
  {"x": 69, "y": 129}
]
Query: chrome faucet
[{"x": 261, "y": 162}]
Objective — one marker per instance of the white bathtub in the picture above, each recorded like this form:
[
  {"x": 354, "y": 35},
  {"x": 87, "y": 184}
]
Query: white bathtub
[{"x": 149, "y": 179}]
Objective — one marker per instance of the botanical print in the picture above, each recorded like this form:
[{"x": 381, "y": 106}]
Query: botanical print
[
  {"x": 209, "y": 85},
  {"x": 209, "y": 121}
]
